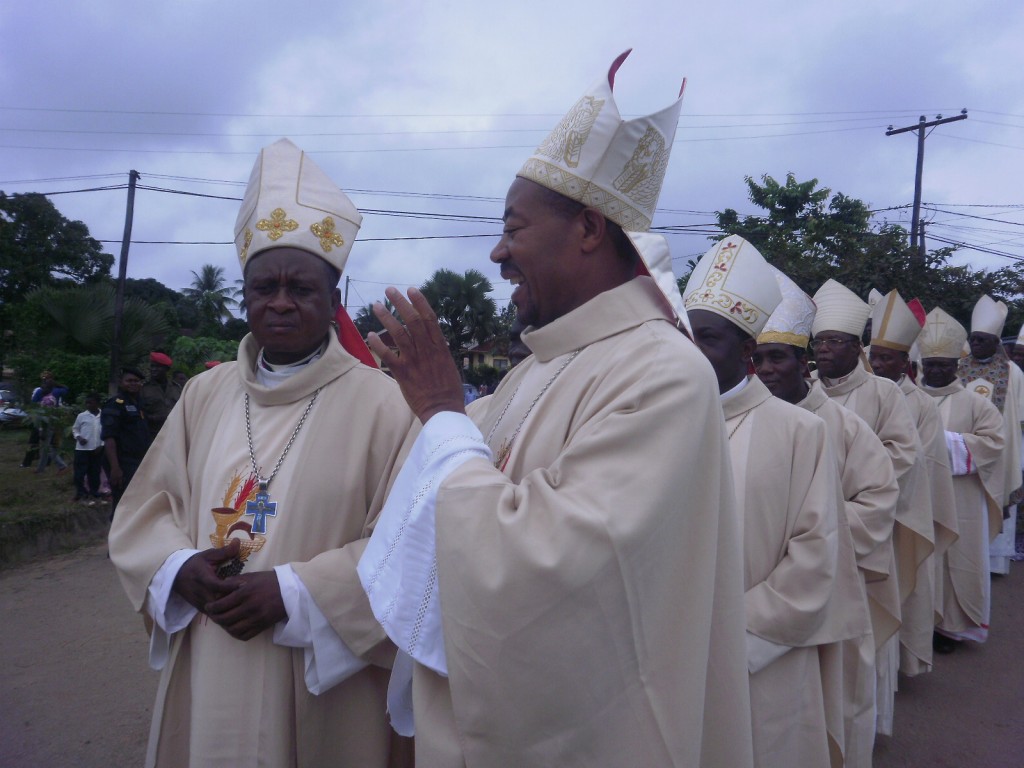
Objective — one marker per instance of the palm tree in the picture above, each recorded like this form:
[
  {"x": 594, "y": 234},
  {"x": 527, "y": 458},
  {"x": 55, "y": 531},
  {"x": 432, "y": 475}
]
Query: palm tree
[
  {"x": 366, "y": 321},
  {"x": 211, "y": 296},
  {"x": 464, "y": 310}
]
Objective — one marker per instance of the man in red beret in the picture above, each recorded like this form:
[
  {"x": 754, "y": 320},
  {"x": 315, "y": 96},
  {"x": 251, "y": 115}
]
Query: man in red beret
[{"x": 159, "y": 393}]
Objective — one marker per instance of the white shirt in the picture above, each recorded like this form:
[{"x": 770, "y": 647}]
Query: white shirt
[{"x": 87, "y": 425}]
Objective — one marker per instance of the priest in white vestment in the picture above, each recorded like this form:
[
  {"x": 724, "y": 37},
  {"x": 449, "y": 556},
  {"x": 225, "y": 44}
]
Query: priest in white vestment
[
  {"x": 560, "y": 569},
  {"x": 239, "y": 534},
  {"x": 987, "y": 371},
  {"x": 974, "y": 436},
  {"x": 869, "y": 491},
  {"x": 846, "y": 377},
  {"x": 800, "y": 573},
  {"x": 895, "y": 328}
]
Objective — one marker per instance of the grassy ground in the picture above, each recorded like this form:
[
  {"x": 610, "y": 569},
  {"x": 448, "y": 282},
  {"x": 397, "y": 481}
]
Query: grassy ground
[{"x": 28, "y": 495}]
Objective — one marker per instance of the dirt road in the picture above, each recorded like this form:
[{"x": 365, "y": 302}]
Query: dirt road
[{"x": 75, "y": 689}]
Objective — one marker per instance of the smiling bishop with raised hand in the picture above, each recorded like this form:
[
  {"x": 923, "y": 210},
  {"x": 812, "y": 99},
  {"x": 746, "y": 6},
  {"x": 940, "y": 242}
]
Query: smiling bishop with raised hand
[{"x": 560, "y": 567}]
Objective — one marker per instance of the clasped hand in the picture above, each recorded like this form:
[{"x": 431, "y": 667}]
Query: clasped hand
[{"x": 244, "y": 605}]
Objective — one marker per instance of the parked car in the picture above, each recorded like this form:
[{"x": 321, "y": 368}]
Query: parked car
[{"x": 11, "y": 414}]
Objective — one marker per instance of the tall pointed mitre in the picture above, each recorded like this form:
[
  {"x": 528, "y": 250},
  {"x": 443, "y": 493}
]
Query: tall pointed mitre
[
  {"x": 874, "y": 295},
  {"x": 733, "y": 280},
  {"x": 791, "y": 321},
  {"x": 598, "y": 159},
  {"x": 988, "y": 316},
  {"x": 893, "y": 324},
  {"x": 657, "y": 258},
  {"x": 1020, "y": 335},
  {"x": 942, "y": 336},
  {"x": 291, "y": 203},
  {"x": 839, "y": 309}
]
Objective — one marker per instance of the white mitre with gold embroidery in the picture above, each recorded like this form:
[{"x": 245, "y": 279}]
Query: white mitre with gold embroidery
[
  {"x": 598, "y": 159},
  {"x": 942, "y": 336},
  {"x": 988, "y": 316},
  {"x": 791, "y": 321},
  {"x": 733, "y": 280},
  {"x": 874, "y": 295},
  {"x": 654, "y": 252},
  {"x": 291, "y": 203},
  {"x": 839, "y": 309},
  {"x": 893, "y": 325}
]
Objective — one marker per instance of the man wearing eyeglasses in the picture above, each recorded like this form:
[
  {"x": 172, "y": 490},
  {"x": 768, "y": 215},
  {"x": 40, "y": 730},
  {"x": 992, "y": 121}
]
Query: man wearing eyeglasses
[{"x": 846, "y": 377}]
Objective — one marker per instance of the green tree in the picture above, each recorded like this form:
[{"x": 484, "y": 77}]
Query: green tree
[
  {"x": 211, "y": 296},
  {"x": 812, "y": 235},
  {"x": 39, "y": 247},
  {"x": 80, "y": 319},
  {"x": 366, "y": 321},
  {"x": 464, "y": 310},
  {"x": 191, "y": 354}
]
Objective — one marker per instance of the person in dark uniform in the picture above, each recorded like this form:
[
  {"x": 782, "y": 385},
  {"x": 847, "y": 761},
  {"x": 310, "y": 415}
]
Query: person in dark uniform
[
  {"x": 159, "y": 393},
  {"x": 125, "y": 433}
]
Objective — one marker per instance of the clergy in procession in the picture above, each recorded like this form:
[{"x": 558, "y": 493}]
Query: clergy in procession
[
  {"x": 560, "y": 567},
  {"x": 974, "y": 437},
  {"x": 239, "y": 536},
  {"x": 846, "y": 377},
  {"x": 895, "y": 327},
  {"x": 799, "y": 567},
  {"x": 869, "y": 492},
  {"x": 988, "y": 372}
]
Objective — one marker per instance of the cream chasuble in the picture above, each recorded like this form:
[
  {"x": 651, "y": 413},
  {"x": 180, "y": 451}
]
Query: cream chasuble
[
  {"x": 923, "y": 607},
  {"x": 978, "y": 494},
  {"x": 870, "y": 492},
  {"x": 881, "y": 404},
  {"x": 222, "y": 701},
  {"x": 800, "y": 574},
  {"x": 1012, "y": 411},
  {"x": 590, "y": 593}
]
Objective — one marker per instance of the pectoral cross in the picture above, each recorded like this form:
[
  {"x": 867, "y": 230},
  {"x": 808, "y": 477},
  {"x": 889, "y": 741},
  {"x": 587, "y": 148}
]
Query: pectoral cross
[{"x": 260, "y": 507}]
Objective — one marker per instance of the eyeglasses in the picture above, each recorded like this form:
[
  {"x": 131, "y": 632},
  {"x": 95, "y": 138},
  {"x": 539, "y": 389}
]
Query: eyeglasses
[{"x": 829, "y": 343}]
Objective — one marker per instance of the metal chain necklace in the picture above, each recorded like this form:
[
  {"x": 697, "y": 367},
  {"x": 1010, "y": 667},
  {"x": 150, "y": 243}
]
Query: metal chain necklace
[
  {"x": 506, "y": 445},
  {"x": 262, "y": 506}
]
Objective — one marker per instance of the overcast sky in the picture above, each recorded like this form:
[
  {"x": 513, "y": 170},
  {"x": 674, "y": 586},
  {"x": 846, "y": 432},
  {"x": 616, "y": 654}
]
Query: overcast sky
[{"x": 431, "y": 108}]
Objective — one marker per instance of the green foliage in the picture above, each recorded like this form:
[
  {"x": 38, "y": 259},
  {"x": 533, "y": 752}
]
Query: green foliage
[
  {"x": 464, "y": 310},
  {"x": 483, "y": 374},
  {"x": 211, "y": 297},
  {"x": 81, "y": 374},
  {"x": 366, "y": 321},
  {"x": 38, "y": 245},
  {"x": 191, "y": 354},
  {"x": 80, "y": 319},
  {"x": 813, "y": 235}
]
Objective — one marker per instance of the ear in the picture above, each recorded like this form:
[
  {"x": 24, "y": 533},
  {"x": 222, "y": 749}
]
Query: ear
[
  {"x": 748, "y": 347},
  {"x": 594, "y": 226},
  {"x": 335, "y": 300}
]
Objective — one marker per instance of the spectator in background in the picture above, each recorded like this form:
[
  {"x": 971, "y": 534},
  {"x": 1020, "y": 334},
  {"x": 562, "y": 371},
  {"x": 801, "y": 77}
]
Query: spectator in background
[
  {"x": 48, "y": 452},
  {"x": 179, "y": 377},
  {"x": 125, "y": 433},
  {"x": 88, "y": 449},
  {"x": 159, "y": 393}
]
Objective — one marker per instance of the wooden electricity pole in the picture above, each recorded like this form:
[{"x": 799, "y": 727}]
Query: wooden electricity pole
[
  {"x": 919, "y": 128},
  {"x": 122, "y": 273}
]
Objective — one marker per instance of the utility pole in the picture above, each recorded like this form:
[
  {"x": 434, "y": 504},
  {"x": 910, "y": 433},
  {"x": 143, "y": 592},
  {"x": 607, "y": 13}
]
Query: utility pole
[
  {"x": 919, "y": 128},
  {"x": 122, "y": 273},
  {"x": 347, "y": 280}
]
